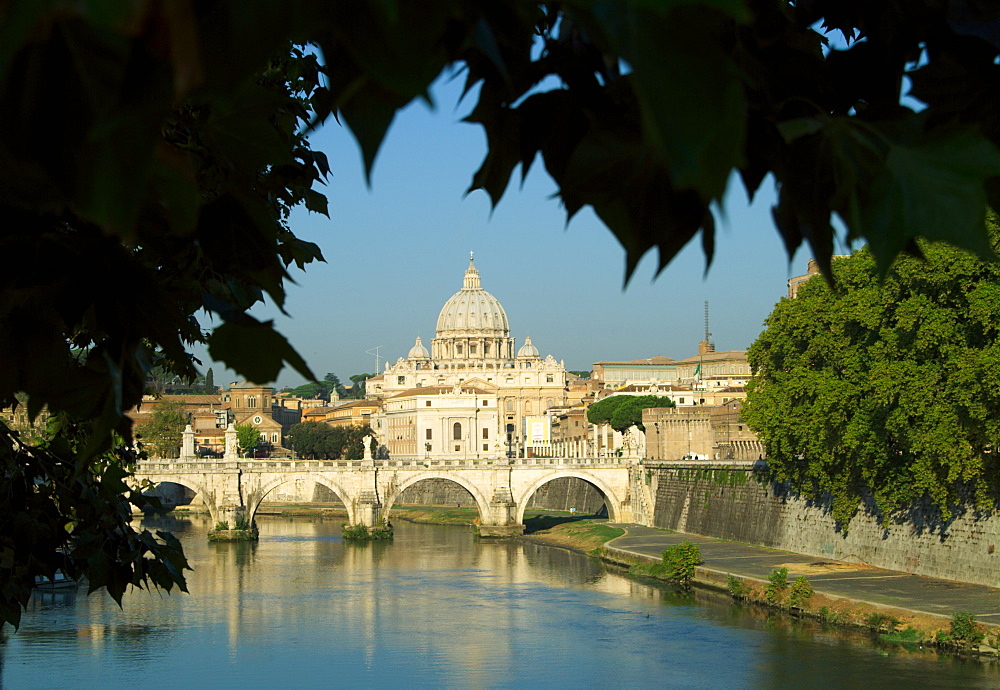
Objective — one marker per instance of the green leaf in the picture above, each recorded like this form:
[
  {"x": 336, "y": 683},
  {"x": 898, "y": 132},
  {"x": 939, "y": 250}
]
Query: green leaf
[
  {"x": 675, "y": 50},
  {"x": 255, "y": 350},
  {"x": 934, "y": 188}
]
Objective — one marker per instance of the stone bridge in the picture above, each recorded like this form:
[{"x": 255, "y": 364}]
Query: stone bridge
[{"x": 501, "y": 487}]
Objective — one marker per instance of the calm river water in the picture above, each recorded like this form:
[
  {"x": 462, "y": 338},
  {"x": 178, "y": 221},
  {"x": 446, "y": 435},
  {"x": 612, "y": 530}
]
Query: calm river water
[{"x": 435, "y": 607}]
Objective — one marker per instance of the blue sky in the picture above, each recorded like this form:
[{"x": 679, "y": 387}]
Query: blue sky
[{"x": 397, "y": 251}]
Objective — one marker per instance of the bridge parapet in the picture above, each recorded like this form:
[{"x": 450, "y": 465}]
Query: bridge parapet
[{"x": 155, "y": 465}]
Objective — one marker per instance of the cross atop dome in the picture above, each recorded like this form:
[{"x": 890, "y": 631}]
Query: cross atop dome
[{"x": 472, "y": 281}]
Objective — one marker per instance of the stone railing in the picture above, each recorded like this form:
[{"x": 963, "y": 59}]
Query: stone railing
[{"x": 162, "y": 466}]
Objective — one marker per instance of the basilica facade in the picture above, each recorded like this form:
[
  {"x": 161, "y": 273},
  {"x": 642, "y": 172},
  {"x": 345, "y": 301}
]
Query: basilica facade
[{"x": 472, "y": 351}]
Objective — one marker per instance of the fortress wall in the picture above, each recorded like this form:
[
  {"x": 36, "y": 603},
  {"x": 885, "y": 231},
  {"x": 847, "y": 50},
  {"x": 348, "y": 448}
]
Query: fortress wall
[{"x": 731, "y": 503}]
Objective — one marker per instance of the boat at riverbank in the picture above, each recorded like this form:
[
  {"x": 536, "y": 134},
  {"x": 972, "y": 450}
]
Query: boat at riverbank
[{"x": 59, "y": 582}]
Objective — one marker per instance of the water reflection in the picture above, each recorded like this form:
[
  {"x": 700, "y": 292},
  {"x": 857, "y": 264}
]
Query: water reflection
[{"x": 434, "y": 607}]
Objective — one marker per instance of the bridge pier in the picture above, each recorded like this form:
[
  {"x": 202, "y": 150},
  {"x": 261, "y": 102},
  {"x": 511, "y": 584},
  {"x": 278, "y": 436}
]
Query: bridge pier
[
  {"x": 369, "y": 516},
  {"x": 239, "y": 524},
  {"x": 502, "y": 516}
]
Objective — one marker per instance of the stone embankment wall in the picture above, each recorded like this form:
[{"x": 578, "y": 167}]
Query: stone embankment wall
[{"x": 728, "y": 501}]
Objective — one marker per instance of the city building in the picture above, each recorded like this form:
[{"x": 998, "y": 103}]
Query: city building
[
  {"x": 706, "y": 370},
  {"x": 710, "y": 432},
  {"x": 273, "y": 416},
  {"x": 442, "y": 423},
  {"x": 473, "y": 348}
]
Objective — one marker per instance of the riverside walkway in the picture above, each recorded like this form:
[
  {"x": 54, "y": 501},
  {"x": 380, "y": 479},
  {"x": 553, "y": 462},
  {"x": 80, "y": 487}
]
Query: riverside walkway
[{"x": 848, "y": 580}]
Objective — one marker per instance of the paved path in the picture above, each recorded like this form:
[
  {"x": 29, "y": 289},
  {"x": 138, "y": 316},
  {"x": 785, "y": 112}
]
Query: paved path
[{"x": 889, "y": 587}]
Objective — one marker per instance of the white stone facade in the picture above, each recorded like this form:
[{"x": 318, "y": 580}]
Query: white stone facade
[
  {"x": 473, "y": 347},
  {"x": 441, "y": 423}
]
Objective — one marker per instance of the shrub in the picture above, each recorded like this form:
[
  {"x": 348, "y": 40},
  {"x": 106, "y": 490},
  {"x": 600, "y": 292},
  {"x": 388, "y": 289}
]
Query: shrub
[
  {"x": 737, "y": 587},
  {"x": 800, "y": 593},
  {"x": 777, "y": 582},
  {"x": 362, "y": 533},
  {"x": 910, "y": 636},
  {"x": 355, "y": 532},
  {"x": 964, "y": 629},
  {"x": 828, "y": 615},
  {"x": 679, "y": 561},
  {"x": 882, "y": 623},
  {"x": 221, "y": 526}
]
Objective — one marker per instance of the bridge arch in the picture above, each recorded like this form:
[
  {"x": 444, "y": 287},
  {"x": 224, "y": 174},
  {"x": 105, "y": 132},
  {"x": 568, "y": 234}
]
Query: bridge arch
[
  {"x": 199, "y": 489},
  {"x": 482, "y": 503},
  {"x": 611, "y": 500},
  {"x": 346, "y": 497}
]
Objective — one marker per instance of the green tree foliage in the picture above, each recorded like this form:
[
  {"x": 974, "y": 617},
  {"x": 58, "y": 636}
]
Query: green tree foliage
[
  {"x": 210, "y": 388},
  {"x": 321, "y": 440},
  {"x": 623, "y": 411},
  {"x": 334, "y": 385},
  {"x": 309, "y": 391},
  {"x": 358, "y": 385},
  {"x": 679, "y": 561},
  {"x": 581, "y": 374},
  {"x": 161, "y": 433},
  {"x": 247, "y": 439},
  {"x": 884, "y": 389},
  {"x": 179, "y": 149}
]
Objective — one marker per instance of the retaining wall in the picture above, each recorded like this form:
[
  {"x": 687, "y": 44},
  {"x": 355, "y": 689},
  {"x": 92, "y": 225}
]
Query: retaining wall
[{"x": 730, "y": 502}]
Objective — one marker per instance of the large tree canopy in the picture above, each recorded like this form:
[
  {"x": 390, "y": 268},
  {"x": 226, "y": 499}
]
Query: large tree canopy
[
  {"x": 150, "y": 153},
  {"x": 624, "y": 411},
  {"x": 888, "y": 390}
]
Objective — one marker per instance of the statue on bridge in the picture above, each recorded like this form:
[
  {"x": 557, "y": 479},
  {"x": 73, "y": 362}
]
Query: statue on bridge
[{"x": 232, "y": 444}]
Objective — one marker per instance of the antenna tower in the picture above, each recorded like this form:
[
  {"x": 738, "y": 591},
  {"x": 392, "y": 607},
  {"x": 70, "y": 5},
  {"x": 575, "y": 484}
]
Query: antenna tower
[
  {"x": 708, "y": 335},
  {"x": 374, "y": 351}
]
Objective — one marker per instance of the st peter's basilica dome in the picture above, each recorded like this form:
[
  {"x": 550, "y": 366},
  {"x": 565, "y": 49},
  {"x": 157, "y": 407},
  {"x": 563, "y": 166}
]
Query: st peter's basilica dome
[{"x": 472, "y": 309}]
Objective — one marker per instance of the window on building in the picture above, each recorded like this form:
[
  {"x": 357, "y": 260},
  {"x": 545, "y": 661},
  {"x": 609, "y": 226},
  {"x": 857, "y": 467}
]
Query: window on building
[
  {"x": 274, "y": 438},
  {"x": 456, "y": 431},
  {"x": 251, "y": 401},
  {"x": 458, "y": 448},
  {"x": 427, "y": 434},
  {"x": 527, "y": 407},
  {"x": 400, "y": 380},
  {"x": 458, "y": 349},
  {"x": 681, "y": 401},
  {"x": 486, "y": 446},
  {"x": 527, "y": 365},
  {"x": 510, "y": 404},
  {"x": 486, "y": 348},
  {"x": 486, "y": 433},
  {"x": 472, "y": 349},
  {"x": 548, "y": 379},
  {"x": 428, "y": 403},
  {"x": 486, "y": 403}
]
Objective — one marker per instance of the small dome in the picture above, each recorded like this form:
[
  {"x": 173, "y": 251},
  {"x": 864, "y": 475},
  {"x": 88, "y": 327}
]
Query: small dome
[
  {"x": 418, "y": 351},
  {"x": 473, "y": 309},
  {"x": 528, "y": 350}
]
